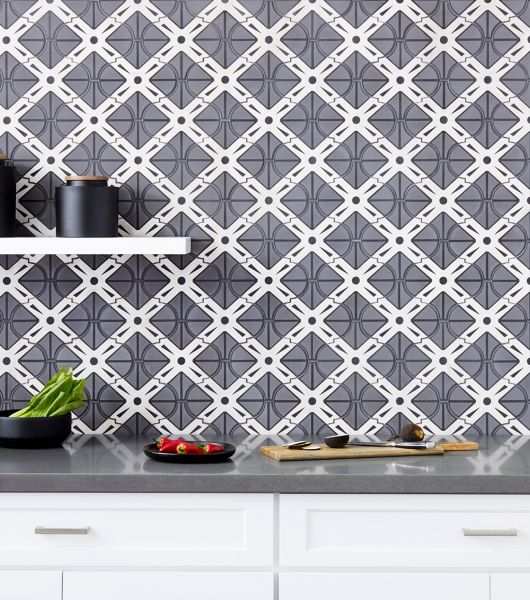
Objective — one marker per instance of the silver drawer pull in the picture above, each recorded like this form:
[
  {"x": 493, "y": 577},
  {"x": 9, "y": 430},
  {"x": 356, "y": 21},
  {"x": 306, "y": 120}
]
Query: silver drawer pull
[
  {"x": 62, "y": 530},
  {"x": 490, "y": 532}
]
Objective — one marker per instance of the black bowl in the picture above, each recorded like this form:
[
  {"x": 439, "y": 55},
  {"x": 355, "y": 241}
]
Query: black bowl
[
  {"x": 33, "y": 432},
  {"x": 172, "y": 457}
]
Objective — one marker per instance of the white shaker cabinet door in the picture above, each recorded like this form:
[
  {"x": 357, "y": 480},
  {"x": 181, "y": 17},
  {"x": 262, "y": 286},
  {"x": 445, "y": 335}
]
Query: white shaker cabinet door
[
  {"x": 30, "y": 585},
  {"x": 510, "y": 586},
  {"x": 377, "y": 586},
  {"x": 110, "y": 585}
]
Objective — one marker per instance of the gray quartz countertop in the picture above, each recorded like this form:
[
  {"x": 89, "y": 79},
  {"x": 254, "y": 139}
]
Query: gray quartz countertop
[{"x": 110, "y": 464}]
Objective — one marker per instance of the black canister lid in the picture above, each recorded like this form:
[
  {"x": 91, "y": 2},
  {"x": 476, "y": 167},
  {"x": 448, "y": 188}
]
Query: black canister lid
[{"x": 80, "y": 180}]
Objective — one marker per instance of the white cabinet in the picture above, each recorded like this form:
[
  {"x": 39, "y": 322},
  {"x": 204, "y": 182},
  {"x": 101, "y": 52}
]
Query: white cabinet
[
  {"x": 141, "y": 586},
  {"x": 30, "y": 585},
  {"x": 510, "y": 586},
  {"x": 398, "y": 586},
  {"x": 405, "y": 532}
]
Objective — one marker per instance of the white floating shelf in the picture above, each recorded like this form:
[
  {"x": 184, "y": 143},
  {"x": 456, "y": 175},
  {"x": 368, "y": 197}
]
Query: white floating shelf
[{"x": 107, "y": 246}]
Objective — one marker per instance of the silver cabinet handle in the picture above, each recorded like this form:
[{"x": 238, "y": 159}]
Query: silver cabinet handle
[
  {"x": 490, "y": 532},
  {"x": 62, "y": 530}
]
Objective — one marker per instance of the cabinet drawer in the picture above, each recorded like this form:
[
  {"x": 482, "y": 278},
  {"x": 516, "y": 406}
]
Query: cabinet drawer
[
  {"x": 397, "y": 586},
  {"x": 404, "y": 531},
  {"x": 140, "y": 586},
  {"x": 30, "y": 585},
  {"x": 136, "y": 529},
  {"x": 512, "y": 586}
]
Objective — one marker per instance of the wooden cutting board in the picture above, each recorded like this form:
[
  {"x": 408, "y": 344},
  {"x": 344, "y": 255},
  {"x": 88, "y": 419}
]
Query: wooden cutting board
[{"x": 281, "y": 453}]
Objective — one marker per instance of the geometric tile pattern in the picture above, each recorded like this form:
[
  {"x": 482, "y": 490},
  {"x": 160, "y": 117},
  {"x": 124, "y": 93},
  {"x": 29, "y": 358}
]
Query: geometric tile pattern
[{"x": 355, "y": 177}]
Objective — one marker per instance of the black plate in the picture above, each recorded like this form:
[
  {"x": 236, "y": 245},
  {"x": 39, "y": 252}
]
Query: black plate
[{"x": 172, "y": 457}]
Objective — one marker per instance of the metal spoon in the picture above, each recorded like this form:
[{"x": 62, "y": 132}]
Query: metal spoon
[{"x": 343, "y": 440}]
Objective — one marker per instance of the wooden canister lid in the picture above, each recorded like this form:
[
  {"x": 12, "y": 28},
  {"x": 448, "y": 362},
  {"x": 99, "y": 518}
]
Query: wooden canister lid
[
  {"x": 3, "y": 157},
  {"x": 86, "y": 178}
]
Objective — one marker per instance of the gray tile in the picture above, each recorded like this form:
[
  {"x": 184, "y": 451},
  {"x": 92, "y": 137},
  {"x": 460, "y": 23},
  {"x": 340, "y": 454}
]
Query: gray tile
[
  {"x": 517, "y": 320},
  {"x": 225, "y": 360},
  {"x": 486, "y": 361},
  {"x": 443, "y": 12},
  {"x": 399, "y": 360},
  {"x": 268, "y": 320},
  {"x": 137, "y": 281},
  {"x": 17, "y": 80},
  {"x": 50, "y": 280},
  {"x": 312, "y": 280},
  {"x": 137, "y": 40},
  {"x": 356, "y": 12},
  {"x": 312, "y": 361},
  {"x": 44, "y": 358},
  {"x": 12, "y": 10},
  {"x": 487, "y": 281},
  {"x": 517, "y": 240},
  {"x": 15, "y": 321},
  {"x": 268, "y": 240},
  {"x": 269, "y": 12},
  {"x": 399, "y": 280},
  {"x": 140, "y": 200},
  {"x": 181, "y": 12},
  {"x": 516, "y": 79}
]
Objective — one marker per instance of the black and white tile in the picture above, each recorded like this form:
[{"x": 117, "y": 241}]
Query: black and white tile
[{"x": 354, "y": 175}]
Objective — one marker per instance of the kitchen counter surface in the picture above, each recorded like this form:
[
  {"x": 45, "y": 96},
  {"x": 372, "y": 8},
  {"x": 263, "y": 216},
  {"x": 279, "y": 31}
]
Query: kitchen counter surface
[{"x": 111, "y": 464}]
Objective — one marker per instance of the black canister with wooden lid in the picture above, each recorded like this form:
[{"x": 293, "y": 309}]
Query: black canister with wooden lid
[
  {"x": 8, "y": 197},
  {"x": 86, "y": 206}
]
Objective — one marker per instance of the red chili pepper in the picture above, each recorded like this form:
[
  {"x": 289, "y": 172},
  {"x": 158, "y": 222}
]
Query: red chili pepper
[
  {"x": 164, "y": 444},
  {"x": 184, "y": 447},
  {"x": 210, "y": 448}
]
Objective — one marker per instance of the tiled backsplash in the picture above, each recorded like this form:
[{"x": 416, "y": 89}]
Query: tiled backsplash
[{"x": 354, "y": 174}]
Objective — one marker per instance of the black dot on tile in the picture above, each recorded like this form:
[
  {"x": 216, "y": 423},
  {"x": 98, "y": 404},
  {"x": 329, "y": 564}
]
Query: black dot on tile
[
  {"x": 400, "y": 80},
  {"x": 93, "y": 361},
  {"x": 400, "y": 401},
  {"x": 399, "y": 320},
  {"x": 225, "y": 160},
  {"x": 5, "y": 40},
  {"x": 225, "y": 320},
  {"x": 399, "y": 240},
  {"x": 137, "y": 320},
  {"x": 181, "y": 39},
  {"x": 268, "y": 120},
  {"x": 268, "y": 200},
  {"x": 138, "y": 160},
  {"x": 487, "y": 79},
  {"x": 443, "y": 360},
  {"x": 311, "y": 320},
  {"x": 268, "y": 360},
  {"x": 137, "y": 79},
  {"x": 181, "y": 200},
  {"x": 225, "y": 79},
  {"x": 181, "y": 280},
  {"x": 443, "y": 200},
  {"x": 94, "y": 280},
  {"x": 355, "y": 280},
  {"x": 181, "y": 360},
  {"x": 181, "y": 120},
  {"x": 486, "y": 320},
  {"x": 6, "y": 280},
  {"x": 443, "y": 120},
  {"x": 137, "y": 401},
  {"x": 355, "y": 200},
  {"x": 225, "y": 239},
  {"x": 487, "y": 240},
  {"x": 444, "y": 39},
  {"x": 268, "y": 39},
  {"x": 93, "y": 40},
  {"x": 312, "y": 401},
  {"x": 487, "y": 160},
  {"x": 224, "y": 400},
  {"x": 50, "y": 79},
  {"x": 487, "y": 401},
  {"x": 7, "y": 120},
  {"x": 356, "y": 120},
  {"x": 528, "y": 281},
  {"x": 268, "y": 280},
  {"x": 443, "y": 280},
  {"x": 50, "y": 320},
  {"x": 312, "y": 79},
  {"x": 50, "y": 160},
  {"x": 355, "y": 360},
  {"x": 312, "y": 160},
  {"x": 400, "y": 160},
  {"x": 6, "y": 361},
  {"x": 312, "y": 240},
  {"x": 93, "y": 120},
  {"x": 356, "y": 39}
]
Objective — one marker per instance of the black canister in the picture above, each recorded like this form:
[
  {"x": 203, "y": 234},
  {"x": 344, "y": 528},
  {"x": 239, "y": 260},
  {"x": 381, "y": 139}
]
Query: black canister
[
  {"x": 86, "y": 207},
  {"x": 8, "y": 197}
]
